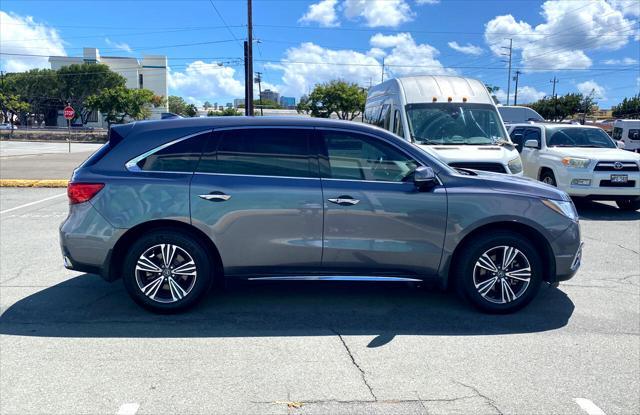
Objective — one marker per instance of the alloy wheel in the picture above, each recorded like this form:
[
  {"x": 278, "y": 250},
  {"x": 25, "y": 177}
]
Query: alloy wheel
[
  {"x": 165, "y": 273},
  {"x": 502, "y": 274}
]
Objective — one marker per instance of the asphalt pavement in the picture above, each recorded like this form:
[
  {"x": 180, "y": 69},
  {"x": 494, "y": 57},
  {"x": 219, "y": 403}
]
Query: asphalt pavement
[
  {"x": 41, "y": 160},
  {"x": 72, "y": 343}
]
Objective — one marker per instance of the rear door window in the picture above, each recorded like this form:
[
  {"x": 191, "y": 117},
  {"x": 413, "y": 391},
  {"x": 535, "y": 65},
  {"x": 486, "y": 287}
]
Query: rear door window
[
  {"x": 181, "y": 156},
  {"x": 260, "y": 152},
  {"x": 634, "y": 134}
]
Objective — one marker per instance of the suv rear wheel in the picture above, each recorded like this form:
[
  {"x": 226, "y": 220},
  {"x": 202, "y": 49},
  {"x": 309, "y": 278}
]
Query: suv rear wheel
[
  {"x": 499, "y": 273},
  {"x": 167, "y": 271},
  {"x": 629, "y": 204}
]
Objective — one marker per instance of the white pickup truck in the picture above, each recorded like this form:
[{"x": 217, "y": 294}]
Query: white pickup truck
[{"x": 583, "y": 161}]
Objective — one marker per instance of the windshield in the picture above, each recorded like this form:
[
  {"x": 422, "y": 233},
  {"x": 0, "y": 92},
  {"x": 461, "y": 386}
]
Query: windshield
[
  {"x": 579, "y": 137},
  {"x": 453, "y": 123}
]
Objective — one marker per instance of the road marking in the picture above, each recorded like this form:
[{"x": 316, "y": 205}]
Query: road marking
[
  {"x": 128, "y": 409},
  {"x": 31, "y": 203},
  {"x": 589, "y": 407}
]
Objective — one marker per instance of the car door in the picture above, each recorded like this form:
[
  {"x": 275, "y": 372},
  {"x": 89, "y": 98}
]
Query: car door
[
  {"x": 256, "y": 193},
  {"x": 375, "y": 219}
]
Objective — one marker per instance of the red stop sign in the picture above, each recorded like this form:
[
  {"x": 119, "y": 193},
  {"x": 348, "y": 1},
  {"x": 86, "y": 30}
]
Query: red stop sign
[{"x": 69, "y": 113}]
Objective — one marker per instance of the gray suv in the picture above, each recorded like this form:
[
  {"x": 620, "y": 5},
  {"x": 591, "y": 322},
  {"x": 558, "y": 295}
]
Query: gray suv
[{"x": 176, "y": 206}]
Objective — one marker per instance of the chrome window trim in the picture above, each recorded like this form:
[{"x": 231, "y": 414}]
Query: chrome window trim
[
  {"x": 132, "y": 165},
  {"x": 255, "y": 175}
]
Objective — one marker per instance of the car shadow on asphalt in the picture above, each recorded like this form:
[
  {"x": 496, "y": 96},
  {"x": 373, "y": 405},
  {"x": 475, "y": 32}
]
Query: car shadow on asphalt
[
  {"x": 86, "y": 306},
  {"x": 591, "y": 210}
]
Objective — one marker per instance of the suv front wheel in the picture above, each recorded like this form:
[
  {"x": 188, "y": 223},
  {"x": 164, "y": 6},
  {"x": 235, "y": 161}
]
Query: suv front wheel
[
  {"x": 499, "y": 273},
  {"x": 629, "y": 204},
  {"x": 167, "y": 271}
]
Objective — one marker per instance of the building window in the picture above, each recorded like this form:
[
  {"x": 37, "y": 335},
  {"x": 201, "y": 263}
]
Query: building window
[{"x": 141, "y": 81}]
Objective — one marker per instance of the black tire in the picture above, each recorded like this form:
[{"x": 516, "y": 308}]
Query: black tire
[
  {"x": 548, "y": 177},
  {"x": 630, "y": 204},
  {"x": 168, "y": 297},
  {"x": 467, "y": 270}
]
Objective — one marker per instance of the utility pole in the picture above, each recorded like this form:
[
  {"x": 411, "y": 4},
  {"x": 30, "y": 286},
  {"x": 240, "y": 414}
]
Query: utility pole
[
  {"x": 515, "y": 96},
  {"x": 555, "y": 98},
  {"x": 509, "y": 76},
  {"x": 247, "y": 80},
  {"x": 249, "y": 85},
  {"x": 258, "y": 79},
  {"x": 382, "y": 78}
]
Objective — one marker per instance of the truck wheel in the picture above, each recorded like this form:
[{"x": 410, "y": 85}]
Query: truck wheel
[
  {"x": 548, "y": 177},
  {"x": 498, "y": 273}
]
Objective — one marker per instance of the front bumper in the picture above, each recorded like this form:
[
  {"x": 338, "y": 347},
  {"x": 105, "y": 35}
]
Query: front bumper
[
  {"x": 600, "y": 184},
  {"x": 567, "y": 249}
]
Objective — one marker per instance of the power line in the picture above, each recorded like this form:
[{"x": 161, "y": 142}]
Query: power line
[{"x": 233, "y": 35}]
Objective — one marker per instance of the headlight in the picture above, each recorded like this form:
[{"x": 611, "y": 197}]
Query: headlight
[
  {"x": 563, "y": 207},
  {"x": 575, "y": 162},
  {"x": 515, "y": 165}
]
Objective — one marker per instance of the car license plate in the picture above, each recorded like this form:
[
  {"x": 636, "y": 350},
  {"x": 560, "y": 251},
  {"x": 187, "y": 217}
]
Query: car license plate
[{"x": 619, "y": 178}]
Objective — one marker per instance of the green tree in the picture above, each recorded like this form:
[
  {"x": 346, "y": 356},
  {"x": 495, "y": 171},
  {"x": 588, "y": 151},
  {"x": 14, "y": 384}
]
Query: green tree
[
  {"x": 207, "y": 105},
  {"x": 492, "y": 91},
  {"x": 118, "y": 104},
  {"x": 265, "y": 103},
  {"x": 344, "y": 99},
  {"x": 560, "y": 108},
  {"x": 177, "y": 105},
  {"x": 12, "y": 106},
  {"x": 628, "y": 108},
  {"x": 191, "y": 110},
  {"x": 78, "y": 82},
  {"x": 40, "y": 89}
]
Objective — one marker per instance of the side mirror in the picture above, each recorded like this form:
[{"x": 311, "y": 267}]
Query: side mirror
[
  {"x": 424, "y": 177},
  {"x": 531, "y": 143},
  {"x": 620, "y": 144}
]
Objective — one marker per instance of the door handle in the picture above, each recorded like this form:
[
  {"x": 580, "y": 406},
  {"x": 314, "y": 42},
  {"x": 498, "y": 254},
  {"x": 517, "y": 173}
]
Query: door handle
[
  {"x": 344, "y": 201},
  {"x": 215, "y": 196}
]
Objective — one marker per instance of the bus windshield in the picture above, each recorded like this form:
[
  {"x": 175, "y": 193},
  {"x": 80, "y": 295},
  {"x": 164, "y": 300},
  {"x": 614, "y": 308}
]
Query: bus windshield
[{"x": 455, "y": 123}]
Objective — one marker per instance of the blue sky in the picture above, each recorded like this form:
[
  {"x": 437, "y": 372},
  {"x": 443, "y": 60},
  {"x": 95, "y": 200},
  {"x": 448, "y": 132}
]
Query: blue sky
[{"x": 589, "y": 45}]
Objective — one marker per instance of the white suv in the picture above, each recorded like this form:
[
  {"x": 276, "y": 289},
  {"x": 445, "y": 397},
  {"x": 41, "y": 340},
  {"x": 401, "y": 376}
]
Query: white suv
[{"x": 582, "y": 161}]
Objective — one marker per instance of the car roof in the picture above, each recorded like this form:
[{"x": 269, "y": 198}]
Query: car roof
[
  {"x": 243, "y": 121},
  {"x": 552, "y": 125}
]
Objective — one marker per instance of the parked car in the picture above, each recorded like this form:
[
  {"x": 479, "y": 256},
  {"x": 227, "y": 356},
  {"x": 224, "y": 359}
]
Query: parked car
[
  {"x": 175, "y": 206},
  {"x": 8, "y": 126},
  {"x": 514, "y": 114},
  {"x": 627, "y": 132},
  {"x": 451, "y": 117},
  {"x": 580, "y": 160}
]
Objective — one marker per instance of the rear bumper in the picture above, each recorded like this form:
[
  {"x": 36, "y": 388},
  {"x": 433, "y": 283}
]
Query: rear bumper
[{"x": 86, "y": 240}]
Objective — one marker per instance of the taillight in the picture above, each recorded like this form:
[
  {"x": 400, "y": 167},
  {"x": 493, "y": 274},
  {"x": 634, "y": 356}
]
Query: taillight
[{"x": 82, "y": 192}]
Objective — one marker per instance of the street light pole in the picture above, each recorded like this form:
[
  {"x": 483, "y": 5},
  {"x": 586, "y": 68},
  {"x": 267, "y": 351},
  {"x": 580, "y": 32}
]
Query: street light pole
[
  {"x": 555, "y": 99},
  {"x": 515, "y": 96},
  {"x": 258, "y": 79},
  {"x": 249, "y": 84}
]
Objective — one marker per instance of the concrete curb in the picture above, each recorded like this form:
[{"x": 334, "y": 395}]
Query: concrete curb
[{"x": 33, "y": 183}]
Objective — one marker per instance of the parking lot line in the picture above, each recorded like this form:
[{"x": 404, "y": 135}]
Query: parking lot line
[
  {"x": 128, "y": 409},
  {"x": 31, "y": 203},
  {"x": 589, "y": 407}
]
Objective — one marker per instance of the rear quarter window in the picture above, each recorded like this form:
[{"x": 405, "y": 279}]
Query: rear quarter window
[{"x": 181, "y": 156}]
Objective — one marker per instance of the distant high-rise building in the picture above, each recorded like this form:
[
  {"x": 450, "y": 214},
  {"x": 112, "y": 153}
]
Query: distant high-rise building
[
  {"x": 270, "y": 95},
  {"x": 238, "y": 102},
  {"x": 287, "y": 102}
]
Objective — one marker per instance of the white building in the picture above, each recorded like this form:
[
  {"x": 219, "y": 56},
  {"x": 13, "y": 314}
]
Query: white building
[{"x": 150, "y": 73}]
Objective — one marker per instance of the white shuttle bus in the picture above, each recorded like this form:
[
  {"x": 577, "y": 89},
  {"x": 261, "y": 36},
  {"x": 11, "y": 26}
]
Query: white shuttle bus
[{"x": 451, "y": 117}]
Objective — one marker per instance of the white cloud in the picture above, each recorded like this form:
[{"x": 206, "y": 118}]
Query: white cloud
[
  {"x": 205, "y": 81},
  {"x": 308, "y": 64},
  {"x": 588, "y": 87},
  {"x": 526, "y": 95},
  {"x": 23, "y": 35},
  {"x": 379, "y": 13},
  {"x": 568, "y": 31},
  {"x": 407, "y": 57},
  {"x": 323, "y": 13},
  {"x": 421, "y": 2},
  {"x": 120, "y": 46},
  {"x": 467, "y": 49},
  {"x": 623, "y": 61}
]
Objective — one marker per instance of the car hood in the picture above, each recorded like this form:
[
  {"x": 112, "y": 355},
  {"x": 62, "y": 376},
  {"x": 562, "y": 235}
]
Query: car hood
[
  {"x": 599, "y": 154},
  {"x": 471, "y": 153},
  {"x": 502, "y": 183}
]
